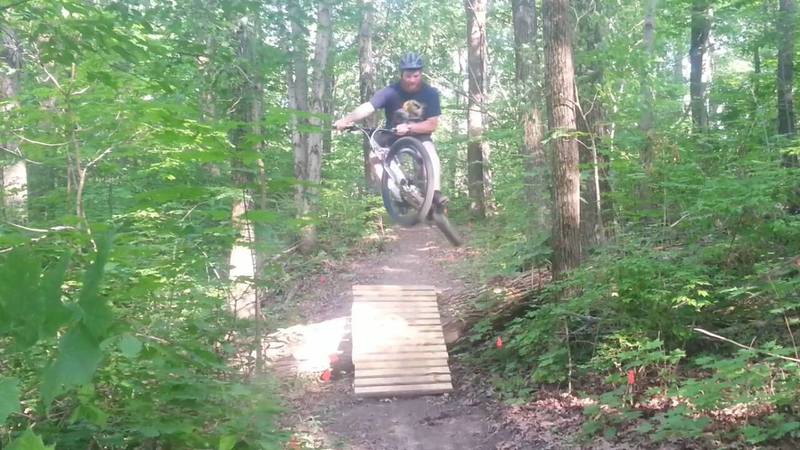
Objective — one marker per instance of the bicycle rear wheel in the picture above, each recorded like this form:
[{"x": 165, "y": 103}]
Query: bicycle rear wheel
[{"x": 407, "y": 184}]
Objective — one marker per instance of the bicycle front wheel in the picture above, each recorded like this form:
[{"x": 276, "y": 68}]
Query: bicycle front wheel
[{"x": 407, "y": 184}]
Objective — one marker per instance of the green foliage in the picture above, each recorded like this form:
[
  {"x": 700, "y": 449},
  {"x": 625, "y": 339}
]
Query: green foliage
[
  {"x": 9, "y": 397},
  {"x": 29, "y": 441}
]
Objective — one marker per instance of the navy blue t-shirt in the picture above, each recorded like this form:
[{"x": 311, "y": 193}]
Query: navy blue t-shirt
[{"x": 403, "y": 107}]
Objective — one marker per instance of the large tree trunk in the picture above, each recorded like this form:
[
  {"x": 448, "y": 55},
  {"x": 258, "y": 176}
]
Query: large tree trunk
[
  {"x": 698, "y": 58},
  {"x": 477, "y": 148},
  {"x": 14, "y": 174},
  {"x": 591, "y": 124},
  {"x": 367, "y": 81},
  {"x": 314, "y": 150},
  {"x": 528, "y": 77},
  {"x": 561, "y": 112}
]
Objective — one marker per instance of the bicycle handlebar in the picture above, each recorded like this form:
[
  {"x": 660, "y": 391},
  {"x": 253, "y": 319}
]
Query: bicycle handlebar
[{"x": 369, "y": 131}]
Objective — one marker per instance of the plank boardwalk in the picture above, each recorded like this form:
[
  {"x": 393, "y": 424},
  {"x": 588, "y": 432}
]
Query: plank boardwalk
[{"x": 398, "y": 344}]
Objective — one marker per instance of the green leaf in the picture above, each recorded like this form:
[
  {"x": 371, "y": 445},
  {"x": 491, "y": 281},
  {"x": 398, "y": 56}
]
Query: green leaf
[
  {"x": 130, "y": 346},
  {"x": 227, "y": 442},
  {"x": 29, "y": 441},
  {"x": 9, "y": 397},
  {"x": 56, "y": 314},
  {"x": 89, "y": 413},
  {"x": 97, "y": 315},
  {"x": 79, "y": 355}
]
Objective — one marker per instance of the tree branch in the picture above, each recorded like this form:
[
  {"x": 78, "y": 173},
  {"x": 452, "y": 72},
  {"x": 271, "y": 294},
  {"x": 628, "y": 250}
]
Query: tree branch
[
  {"x": 31, "y": 141},
  {"x": 746, "y": 347},
  {"x": 41, "y": 230}
]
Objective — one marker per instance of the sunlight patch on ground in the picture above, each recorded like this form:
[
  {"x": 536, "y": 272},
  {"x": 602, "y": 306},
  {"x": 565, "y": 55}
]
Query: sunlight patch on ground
[{"x": 310, "y": 345}]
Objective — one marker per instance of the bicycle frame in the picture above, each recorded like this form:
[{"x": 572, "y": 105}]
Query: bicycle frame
[{"x": 377, "y": 159}]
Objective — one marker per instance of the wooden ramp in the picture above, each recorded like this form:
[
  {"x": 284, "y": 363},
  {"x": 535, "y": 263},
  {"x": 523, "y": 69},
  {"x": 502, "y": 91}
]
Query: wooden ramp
[{"x": 398, "y": 345}]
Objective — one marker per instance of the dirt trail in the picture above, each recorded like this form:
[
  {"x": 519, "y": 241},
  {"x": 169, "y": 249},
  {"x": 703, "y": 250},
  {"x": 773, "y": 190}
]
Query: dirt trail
[
  {"x": 330, "y": 416},
  {"x": 327, "y": 415}
]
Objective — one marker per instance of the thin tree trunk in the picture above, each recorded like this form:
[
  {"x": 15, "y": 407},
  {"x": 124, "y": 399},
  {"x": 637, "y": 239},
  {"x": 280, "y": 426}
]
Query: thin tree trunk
[
  {"x": 787, "y": 22},
  {"x": 314, "y": 155},
  {"x": 698, "y": 54},
  {"x": 561, "y": 112},
  {"x": 243, "y": 299},
  {"x": 15, "y": 174},
  {"x": 647, "y": 119},
  {"x": 528, "y": 77},
  {"x": 367, "y": 80},
  {"x": 298, "y": 98},
  {"x": 477, "y": 148},
  {"x": 590, "y": 122}
]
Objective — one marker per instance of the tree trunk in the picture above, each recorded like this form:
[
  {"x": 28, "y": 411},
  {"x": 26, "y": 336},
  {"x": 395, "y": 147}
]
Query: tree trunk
[
  {"x": 242, "y": 299},
  {"x": 561, "y": 112},
  {"x": 698, "y": 55},
  {"x": 297, "y": 83},
  {"x": 248, "y": 111},
  {"x": 647, "y": 119},
  {"x": 367, "y": 81},
  {"x": 14, "y": 174},
  {"x": 787, "y": 21},
  {"x": 528, "y": 78},
  {"x": 314, "y": 150},
  {"x": 590, "y": 121},
  {"x": 477, "y": 149}
]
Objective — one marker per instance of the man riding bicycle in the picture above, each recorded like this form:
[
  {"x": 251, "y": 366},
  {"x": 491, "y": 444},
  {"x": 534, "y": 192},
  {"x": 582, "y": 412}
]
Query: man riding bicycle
[{"x": 412, "y": 109}]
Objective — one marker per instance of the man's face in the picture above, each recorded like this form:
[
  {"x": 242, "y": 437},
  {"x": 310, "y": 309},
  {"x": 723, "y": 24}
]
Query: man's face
[{"x": 411, "y": 80}]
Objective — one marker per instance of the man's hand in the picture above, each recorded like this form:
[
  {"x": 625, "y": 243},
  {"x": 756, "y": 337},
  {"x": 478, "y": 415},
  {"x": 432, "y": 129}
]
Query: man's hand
[
  {"x": 402, "y": 129},
  {"x": 343, "y": 124}
]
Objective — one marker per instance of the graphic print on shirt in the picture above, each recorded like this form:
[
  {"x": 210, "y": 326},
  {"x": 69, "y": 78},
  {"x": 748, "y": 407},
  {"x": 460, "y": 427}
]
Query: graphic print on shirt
[{"x": 411, "y": 111}]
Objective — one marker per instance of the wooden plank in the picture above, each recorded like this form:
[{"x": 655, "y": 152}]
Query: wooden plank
[
  {"x": 410, "y": 357},
  {"x": 399, "y": 345},
  {"x": 406, "y": 371},
  {"x": 395, "y": 303},
  {"x": 402, "y": 333},
  {"x": 399, "y": 348},
  {"x": 401, "y": 364},
  {"x": 410, "y": 323},
  {"x": 417, "y": 295},
  {"x": 414, "y": 389},
  {"x": 405, "y": 301},
  {"x": 397, "y": 315},
  {"x": 376, "y": 297},
  {"x": 395, "y": 380},
  {"x": 396, "y": 309},
  {"x": 406, "y": 328},
  {"x": 402, "y": 342},
  {"x": 392, "y": 288},
  {"x": 393, "y": 306}
]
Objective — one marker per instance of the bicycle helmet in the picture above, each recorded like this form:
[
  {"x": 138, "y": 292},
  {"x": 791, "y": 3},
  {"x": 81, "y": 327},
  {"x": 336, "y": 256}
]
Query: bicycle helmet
[{"x": 411, "y": 61}]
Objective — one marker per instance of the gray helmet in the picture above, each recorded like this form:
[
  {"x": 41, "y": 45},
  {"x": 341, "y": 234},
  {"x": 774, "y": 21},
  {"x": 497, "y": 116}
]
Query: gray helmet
[{"x": 411, "y": 61}]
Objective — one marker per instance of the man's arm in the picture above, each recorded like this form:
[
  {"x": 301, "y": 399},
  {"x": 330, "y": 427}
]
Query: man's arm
[
  {"x": 362, "y": 112},
  {"x": 427, "y": 126}
]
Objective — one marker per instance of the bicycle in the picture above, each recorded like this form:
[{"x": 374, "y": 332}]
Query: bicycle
[{"x": 406, "y": 173}]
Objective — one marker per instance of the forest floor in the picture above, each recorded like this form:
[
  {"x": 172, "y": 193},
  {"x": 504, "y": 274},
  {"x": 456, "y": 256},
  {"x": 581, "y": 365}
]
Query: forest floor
[{"x": 325, "y": 414}]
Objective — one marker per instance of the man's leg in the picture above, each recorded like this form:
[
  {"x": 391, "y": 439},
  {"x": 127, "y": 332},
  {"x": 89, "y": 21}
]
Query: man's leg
[
  {"x": 439, "y": 200},
  {"x": 437, "y": 170}
]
